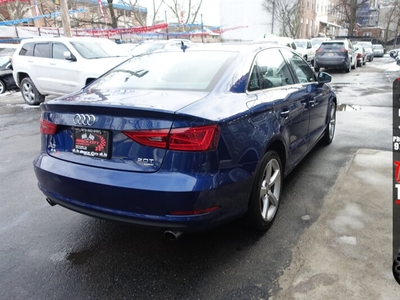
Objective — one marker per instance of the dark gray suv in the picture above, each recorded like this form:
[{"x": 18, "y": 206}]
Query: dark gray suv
[{"x": 335, "y": 54}]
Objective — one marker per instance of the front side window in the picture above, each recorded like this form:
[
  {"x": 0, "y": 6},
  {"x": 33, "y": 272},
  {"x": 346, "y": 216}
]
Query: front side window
[
  {"x": 269, "y": 70},
  {"x": 303, "y": 71},
  {"x": 58, "y": 50}
]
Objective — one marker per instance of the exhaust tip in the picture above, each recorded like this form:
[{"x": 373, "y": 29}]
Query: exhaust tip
[
  {"x": 50, "y": 202},
  {"x": 172, "y": 235}
]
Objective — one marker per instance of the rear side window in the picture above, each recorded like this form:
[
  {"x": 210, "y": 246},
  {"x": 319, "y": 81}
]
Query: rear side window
[
  {"x": 42, "y": 50},
  {"x": 27, "y": 49}
]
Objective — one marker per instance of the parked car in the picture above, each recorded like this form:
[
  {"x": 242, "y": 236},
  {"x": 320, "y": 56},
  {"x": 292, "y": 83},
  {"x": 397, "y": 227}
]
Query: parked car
[
  {"x": 280, "y": 40},
  {"x": 128, "y": 47},
  {"x": 394, "y": 53},
  {"x": 7, "y": 49},
  {"x": 378, "y": 50},
  {"x": 185, "y": 142},
  {"x": 7, "y": 82},
  {"x": 161, "y": 45},
  {"x": 335, "y": 54},
  {"x": 368, "y": 48},
  {"x": 305, "y": 48},
  {"x": 361, "y": 55},
  {"x": 61, "y": 65}
]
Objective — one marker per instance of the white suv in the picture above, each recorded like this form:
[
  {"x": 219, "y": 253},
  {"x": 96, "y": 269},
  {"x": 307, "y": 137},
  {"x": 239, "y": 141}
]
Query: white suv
[{"x": 61, "y": 65}]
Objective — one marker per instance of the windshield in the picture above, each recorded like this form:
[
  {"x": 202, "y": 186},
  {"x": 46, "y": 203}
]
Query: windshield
[
  {"x": 98, "y": 49},
  {"x": 301, "y": 44},
  {"x": 167, "y": 70}
]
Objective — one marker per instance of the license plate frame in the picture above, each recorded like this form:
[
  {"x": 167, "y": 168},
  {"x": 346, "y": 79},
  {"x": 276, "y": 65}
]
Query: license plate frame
[{"x": 91, "y": 142}]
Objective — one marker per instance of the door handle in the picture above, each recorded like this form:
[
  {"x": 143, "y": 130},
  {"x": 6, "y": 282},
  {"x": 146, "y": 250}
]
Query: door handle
[{"x": 285, "y": 113}]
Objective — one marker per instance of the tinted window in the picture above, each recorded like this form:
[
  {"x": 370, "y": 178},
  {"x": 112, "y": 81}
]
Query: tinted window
[
  {"x": 168, "y": 70},
  {"x": 27, "y": 49},
  {"x": 42, "y": 50},
  {"x": 58, "y": 50}
]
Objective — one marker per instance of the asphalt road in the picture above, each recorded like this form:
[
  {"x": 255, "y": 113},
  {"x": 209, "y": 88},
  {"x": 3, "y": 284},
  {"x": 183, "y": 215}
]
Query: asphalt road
[{"x": 53, "y": 253}]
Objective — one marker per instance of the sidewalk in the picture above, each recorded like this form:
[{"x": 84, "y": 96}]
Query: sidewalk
[{"x": 347, "y": 252}]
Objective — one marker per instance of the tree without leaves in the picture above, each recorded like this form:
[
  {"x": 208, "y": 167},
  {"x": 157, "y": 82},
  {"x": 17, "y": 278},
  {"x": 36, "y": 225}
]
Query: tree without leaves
[
  {"x": 391, "y": 19},
  {"x": 350, "y": 9},
  {"x": 179, "y": 9},
  {"x": 16, "y": 10},
  {"x": 140, "y": 17},
  {"x": 114, "y": 18},
  {"x": 287, "y": 13}
]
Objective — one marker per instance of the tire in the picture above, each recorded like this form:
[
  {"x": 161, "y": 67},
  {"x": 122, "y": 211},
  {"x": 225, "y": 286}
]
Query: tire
[
  {"x": 359, "y": 64},
  {"x": 331, "y": 126},
  {"x": 265, "y": 196},
  {"x": 3, "y": 87},
  {"x": 355, "y": 66},
  {"x": 348, "y": 69},
  {"x": 29, "y": 92}
]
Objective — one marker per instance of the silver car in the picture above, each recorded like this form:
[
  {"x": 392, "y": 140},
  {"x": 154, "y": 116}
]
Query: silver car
[{"x": 378, "y": 50}]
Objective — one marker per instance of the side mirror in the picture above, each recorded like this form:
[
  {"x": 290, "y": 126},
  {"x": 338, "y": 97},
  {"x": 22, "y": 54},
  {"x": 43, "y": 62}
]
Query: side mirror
[
  {"x": 69, "y": 56},
  {"x": 324, "y": 77}
]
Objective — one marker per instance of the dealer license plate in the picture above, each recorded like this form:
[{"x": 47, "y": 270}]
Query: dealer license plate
[{"x": 91, "y": 142}]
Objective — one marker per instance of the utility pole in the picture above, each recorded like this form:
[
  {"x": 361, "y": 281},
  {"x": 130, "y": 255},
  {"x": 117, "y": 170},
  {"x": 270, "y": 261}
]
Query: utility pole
[
  {"x": 166, "y": 21},
  {"x": 65, "y": 18},
  {"x": 202, "y": 29}
]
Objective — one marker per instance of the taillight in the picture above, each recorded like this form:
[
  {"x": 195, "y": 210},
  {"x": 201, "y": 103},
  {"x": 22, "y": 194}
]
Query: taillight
[
  {"x": 319, "y": 50},
  {"x": 203, "y": 138},
  {"x": 343, "y": 50},
  {"x": 47, "y": 127},
  {"x": 359, "y": 55}
]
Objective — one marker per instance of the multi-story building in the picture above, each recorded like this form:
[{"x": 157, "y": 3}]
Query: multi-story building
[
  {"x": 329, "y": 17},
  {"x": 307, "y": 19}
]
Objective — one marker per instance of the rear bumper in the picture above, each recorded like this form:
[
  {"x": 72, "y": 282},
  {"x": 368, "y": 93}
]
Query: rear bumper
[
  {"x": 141, "y": 199},
  {"x": 334, "y": 63}
]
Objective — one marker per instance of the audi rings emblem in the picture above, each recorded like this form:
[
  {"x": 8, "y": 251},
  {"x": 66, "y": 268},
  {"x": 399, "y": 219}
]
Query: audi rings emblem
[{"x": 84, "y": 119}]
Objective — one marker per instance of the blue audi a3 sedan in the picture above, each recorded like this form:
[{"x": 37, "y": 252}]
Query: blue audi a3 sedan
[{"x": 184, "y": 141}]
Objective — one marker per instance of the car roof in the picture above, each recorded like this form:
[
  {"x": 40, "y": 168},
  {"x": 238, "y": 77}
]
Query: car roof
[{"x": 62, "y": 39}]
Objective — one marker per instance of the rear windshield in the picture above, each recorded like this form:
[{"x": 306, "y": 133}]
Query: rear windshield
[
  {"x": 335, "y": 45},
  {"x": 378, "y": 46},
  {"x": 197, "y": 70}
]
